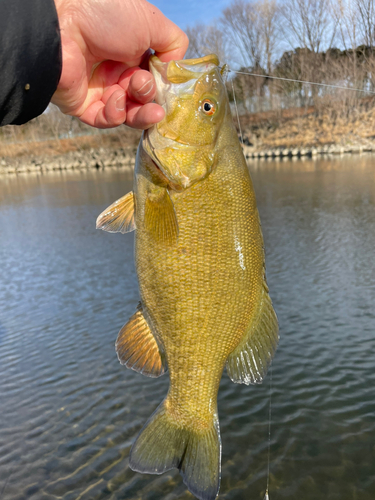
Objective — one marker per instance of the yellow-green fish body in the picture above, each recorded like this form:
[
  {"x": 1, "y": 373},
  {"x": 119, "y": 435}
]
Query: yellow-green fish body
[{"x": 200, "y": 264}]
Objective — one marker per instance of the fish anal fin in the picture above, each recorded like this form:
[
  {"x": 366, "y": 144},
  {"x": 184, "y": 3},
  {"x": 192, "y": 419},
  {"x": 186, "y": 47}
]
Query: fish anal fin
[
  {"x": 138, "y": 349},
  {"x": 164, "y": 444},
  {"x": 160, "y": 217},
  {"x": 118, "y": 217},
  {"x": 249, "y": 361}
]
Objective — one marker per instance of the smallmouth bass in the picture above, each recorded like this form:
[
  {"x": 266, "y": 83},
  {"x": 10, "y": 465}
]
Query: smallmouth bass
[{"x": 201, "y": 270}]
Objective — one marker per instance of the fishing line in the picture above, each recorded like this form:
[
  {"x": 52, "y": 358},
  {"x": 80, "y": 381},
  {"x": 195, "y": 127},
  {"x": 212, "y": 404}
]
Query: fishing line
[
  {"x": 266, "y": 496},
  {"x": 302, "y": 81},
  {"x": 5, "y": 485},
  {"x": 238, "y": 116}
]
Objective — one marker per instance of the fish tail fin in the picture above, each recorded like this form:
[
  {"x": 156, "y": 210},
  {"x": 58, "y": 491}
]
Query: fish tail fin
[{"x": 163, "y": 444}]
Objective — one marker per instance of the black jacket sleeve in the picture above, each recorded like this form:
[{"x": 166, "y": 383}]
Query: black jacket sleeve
[{"x": 30, "y": 58}]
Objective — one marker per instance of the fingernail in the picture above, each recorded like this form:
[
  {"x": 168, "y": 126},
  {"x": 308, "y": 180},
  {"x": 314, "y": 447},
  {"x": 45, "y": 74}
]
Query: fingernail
[
  {"x": 120, "y": 103},
  {"x": 146, "y": 88}
]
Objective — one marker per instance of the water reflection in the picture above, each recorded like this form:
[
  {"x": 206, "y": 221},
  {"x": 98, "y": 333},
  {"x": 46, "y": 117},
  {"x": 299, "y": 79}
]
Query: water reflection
[
  {"x": 69, "y": 412},
  {"x": 2, "y": 333}
]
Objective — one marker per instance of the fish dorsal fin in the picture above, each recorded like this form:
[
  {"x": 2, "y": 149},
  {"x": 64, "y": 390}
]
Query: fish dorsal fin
[
  {"x": 160, "y": 217},
  {"x": 137, "y": 348},
  {"x": 249, "y": 361},
  {"x": 118, "y": 217}
]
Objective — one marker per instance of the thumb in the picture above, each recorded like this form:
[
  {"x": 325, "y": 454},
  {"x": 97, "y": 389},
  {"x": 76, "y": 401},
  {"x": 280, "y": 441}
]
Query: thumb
[{"x": 167, "y": 40}]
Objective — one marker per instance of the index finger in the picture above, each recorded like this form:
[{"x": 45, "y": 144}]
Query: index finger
[{"x": 167, "y": 40}]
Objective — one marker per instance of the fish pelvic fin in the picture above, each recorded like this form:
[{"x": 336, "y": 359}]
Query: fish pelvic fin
[
  {"x": 137, "y": 347},
  {"x": 118, "y": 217},
  {"x": 160, "y": 217},
  {"x": 249, "y": 362},
  {"x": 164, "y": 444}
]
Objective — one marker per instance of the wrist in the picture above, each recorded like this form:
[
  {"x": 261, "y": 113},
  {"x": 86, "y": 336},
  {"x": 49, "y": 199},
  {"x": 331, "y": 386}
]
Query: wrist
[
  {"x": 73, "y": 50},
  {"x": 69, "y": 22}
]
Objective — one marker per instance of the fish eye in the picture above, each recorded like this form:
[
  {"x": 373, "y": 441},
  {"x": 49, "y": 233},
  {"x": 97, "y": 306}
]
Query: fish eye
[{"x": 208, "y": 107}]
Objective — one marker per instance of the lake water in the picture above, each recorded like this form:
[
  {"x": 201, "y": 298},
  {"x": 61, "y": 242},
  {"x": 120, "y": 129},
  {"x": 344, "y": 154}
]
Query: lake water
[{"x": 69, "y": 412}]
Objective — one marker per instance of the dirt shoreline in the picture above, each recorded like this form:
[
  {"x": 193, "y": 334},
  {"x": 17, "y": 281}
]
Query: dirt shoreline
[
  {"x": 103, "y": 158},
  {"x": 252, "y": 153},
  {"x": 296, "y": 133},
  {"x": 73, "y": 160}
]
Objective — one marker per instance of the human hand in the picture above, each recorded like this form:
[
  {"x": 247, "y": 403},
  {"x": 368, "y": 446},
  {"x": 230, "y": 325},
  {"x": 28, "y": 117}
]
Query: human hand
[{"x": 103, "y": 46}]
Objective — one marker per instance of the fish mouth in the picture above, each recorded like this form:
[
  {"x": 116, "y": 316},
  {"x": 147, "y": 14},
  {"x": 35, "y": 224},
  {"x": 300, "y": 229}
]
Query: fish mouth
[
  {"x": 179, "y": 77},
  {"x": 170, "y": 153},
  {"x": 174, "y": 78}
]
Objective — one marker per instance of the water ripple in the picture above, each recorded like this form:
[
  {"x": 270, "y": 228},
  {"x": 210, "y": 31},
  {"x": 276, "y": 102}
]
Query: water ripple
[{"x": 69, "y": 411}]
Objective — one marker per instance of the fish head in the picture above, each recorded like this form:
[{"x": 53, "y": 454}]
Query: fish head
[{"x": 193, "y": 95}]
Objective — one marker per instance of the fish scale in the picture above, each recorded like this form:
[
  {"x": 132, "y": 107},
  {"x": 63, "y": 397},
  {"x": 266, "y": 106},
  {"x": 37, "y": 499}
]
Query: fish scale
[
  {"x": 214, "y": 285},
  {"x": 200, "y": 265}
]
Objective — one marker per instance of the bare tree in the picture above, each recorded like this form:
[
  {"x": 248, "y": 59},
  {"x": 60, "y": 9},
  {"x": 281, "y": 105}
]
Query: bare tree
[
  {"x": 253, "y": 29},
  {"x": 346, "y": 15},
  {"x": 309, "y": 24},
  {"x": 207, "y": 39},
  {"x": 366, "y": 9},
  {"x": 347, "y": 19},
  {"x": 269, "y": 14},
  {"x": 242, "y": 23}
]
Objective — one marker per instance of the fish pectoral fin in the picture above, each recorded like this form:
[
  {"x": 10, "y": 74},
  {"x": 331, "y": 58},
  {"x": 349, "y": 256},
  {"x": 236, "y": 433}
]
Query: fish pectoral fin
[
  {"x": 249, "y": 361},
  {"x": 118, "y": 217},
  {"x": 138, "y": 349},
  {"x": 160, "y": 217}
]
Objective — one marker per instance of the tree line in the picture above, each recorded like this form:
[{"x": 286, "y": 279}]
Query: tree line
[{"x": 325, "y": 41}]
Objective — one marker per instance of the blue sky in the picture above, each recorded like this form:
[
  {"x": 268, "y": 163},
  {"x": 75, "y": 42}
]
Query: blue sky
[{"x": 189, "y": 12}]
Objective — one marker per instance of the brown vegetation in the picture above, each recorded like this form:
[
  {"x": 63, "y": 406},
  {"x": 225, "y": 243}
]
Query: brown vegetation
[
  {"x": 322, "y": 41},
  {"x": 297, "y": 129},
  {"x": 54, "y": 134},
  {"x": 331, "y": 42}
]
